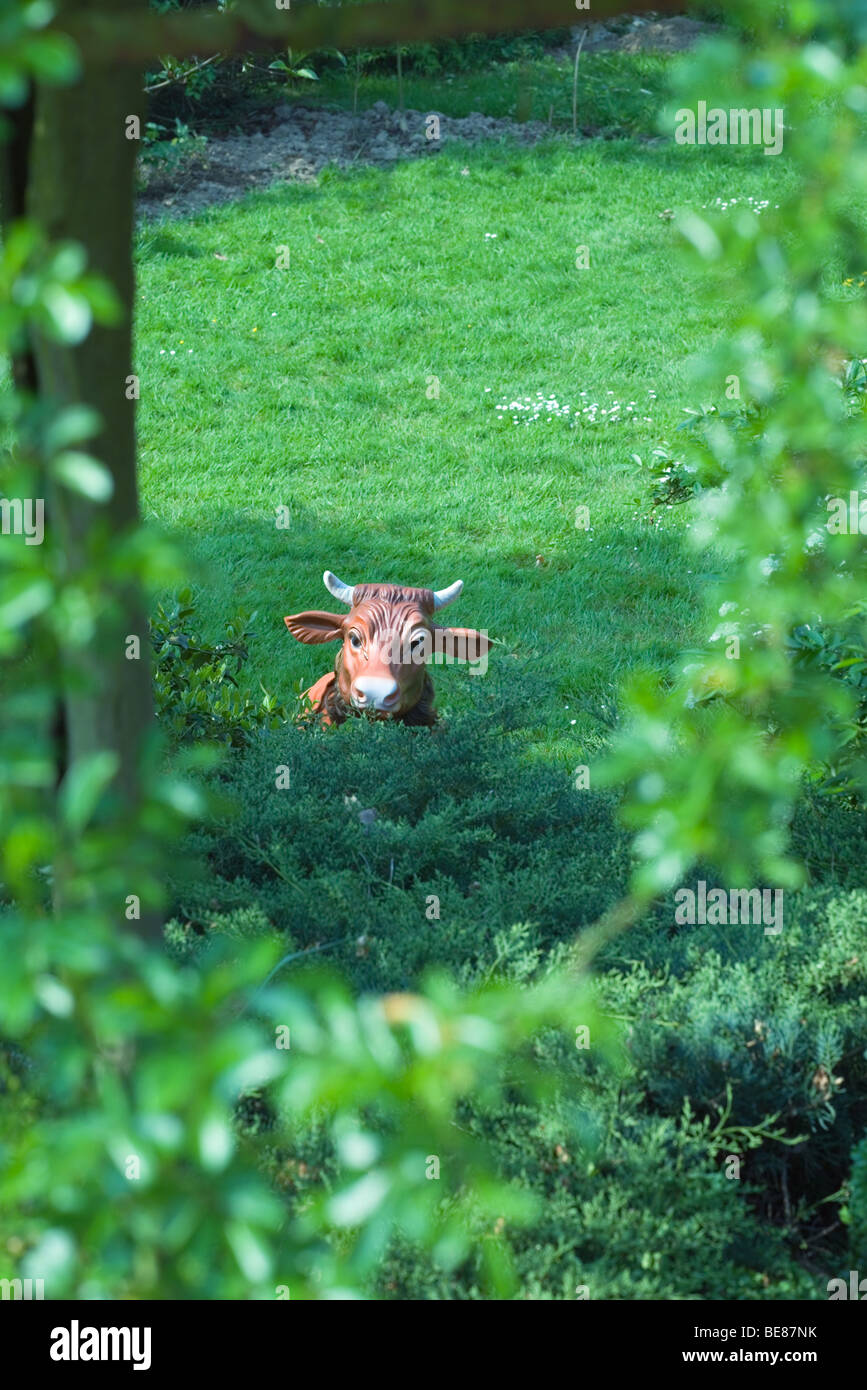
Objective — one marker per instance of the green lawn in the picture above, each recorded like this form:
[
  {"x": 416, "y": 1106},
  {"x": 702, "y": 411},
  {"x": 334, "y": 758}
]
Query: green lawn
[{"x": 309, "y": 387}]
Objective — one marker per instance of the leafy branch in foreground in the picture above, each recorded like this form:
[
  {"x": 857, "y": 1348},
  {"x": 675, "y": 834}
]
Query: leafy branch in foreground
[{"x": 715, "y": 758}]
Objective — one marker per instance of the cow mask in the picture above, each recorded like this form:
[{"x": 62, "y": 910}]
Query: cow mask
[{"x": 388, "y": 637}]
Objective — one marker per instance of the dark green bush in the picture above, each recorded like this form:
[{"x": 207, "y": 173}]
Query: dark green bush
[
  {"x": 458, "y": 814},
  {"x": 779, "y": 1022},
  {"x": 733, "y": 1043},
  {"x": 840, "y": 651},
  {"x": 196, "y": 690},
  {"x": 858, "y": 1206}
]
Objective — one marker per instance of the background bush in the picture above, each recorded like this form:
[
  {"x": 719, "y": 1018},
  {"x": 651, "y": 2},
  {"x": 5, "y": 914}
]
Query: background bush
[{"x": 196, "y": 688}]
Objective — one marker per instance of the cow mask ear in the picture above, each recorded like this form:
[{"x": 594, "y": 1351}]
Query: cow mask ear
[
  {"x": 461, "y": 643},
  {"x": 315, "y": 626}
]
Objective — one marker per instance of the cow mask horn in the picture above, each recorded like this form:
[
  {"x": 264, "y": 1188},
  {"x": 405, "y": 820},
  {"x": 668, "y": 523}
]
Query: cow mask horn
[
  {"x": 344, "y": 592},
  {"x": 336, "y": 586}
]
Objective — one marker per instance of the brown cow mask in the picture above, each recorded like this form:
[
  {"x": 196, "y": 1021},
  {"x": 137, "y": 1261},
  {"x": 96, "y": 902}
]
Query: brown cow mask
[{"x": 388, "y": 637}]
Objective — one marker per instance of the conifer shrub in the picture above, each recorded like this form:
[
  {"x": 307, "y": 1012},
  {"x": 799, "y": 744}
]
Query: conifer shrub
[
  {"x": 433, "y": 846},
  {"x": 395, "y": 851},
  {"x": 858, "y": 1206}
]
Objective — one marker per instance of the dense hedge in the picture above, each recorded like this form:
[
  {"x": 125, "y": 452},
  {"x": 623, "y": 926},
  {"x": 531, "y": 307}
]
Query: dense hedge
[{"x": 733, "y": 1042}]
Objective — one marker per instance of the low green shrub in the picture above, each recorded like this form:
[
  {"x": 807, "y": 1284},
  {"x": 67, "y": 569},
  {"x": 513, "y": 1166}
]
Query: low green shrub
[
  {"x": 394, "y": 851},
  {"x": 196, "y": 690},
  {"x": 858, "y": 1207},
  {"x": 431, "y": 845}
]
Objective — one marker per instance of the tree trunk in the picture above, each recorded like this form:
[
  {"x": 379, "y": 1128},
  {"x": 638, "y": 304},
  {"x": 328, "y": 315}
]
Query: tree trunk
[
  {"x": 81, "y": 187},
  {"x": 14, "y": 170}
]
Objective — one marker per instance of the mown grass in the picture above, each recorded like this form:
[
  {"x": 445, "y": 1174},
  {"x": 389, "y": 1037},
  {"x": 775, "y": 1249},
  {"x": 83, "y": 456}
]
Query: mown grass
[{"x": 311, "y": 388}]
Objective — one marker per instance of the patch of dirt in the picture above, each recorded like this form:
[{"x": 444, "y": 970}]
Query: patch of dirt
[
  {"x": 297, "y": 142},
  {"x": 644, "y": 34},
  {"x": 303, "y": 141}
]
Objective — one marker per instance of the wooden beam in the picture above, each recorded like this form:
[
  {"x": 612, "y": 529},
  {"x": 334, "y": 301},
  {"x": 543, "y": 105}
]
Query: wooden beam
[{"x": 110, "y": 37}]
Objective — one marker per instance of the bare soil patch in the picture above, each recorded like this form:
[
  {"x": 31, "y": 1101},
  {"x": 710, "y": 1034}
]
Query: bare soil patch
[
  {"x": 303, "y": 141},
  {"x": 296, "y": 142},
  {"x": 644, "y": 34}
]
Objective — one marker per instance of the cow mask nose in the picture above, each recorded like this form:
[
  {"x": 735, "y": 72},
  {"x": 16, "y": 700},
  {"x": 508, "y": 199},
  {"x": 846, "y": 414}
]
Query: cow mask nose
[{"x": 375, "y": 692}]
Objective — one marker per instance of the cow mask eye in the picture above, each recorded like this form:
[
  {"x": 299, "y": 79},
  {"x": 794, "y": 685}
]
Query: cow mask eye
[
  {"x": 418, "y": 642},
  {"x": 355, "y": 641}
]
